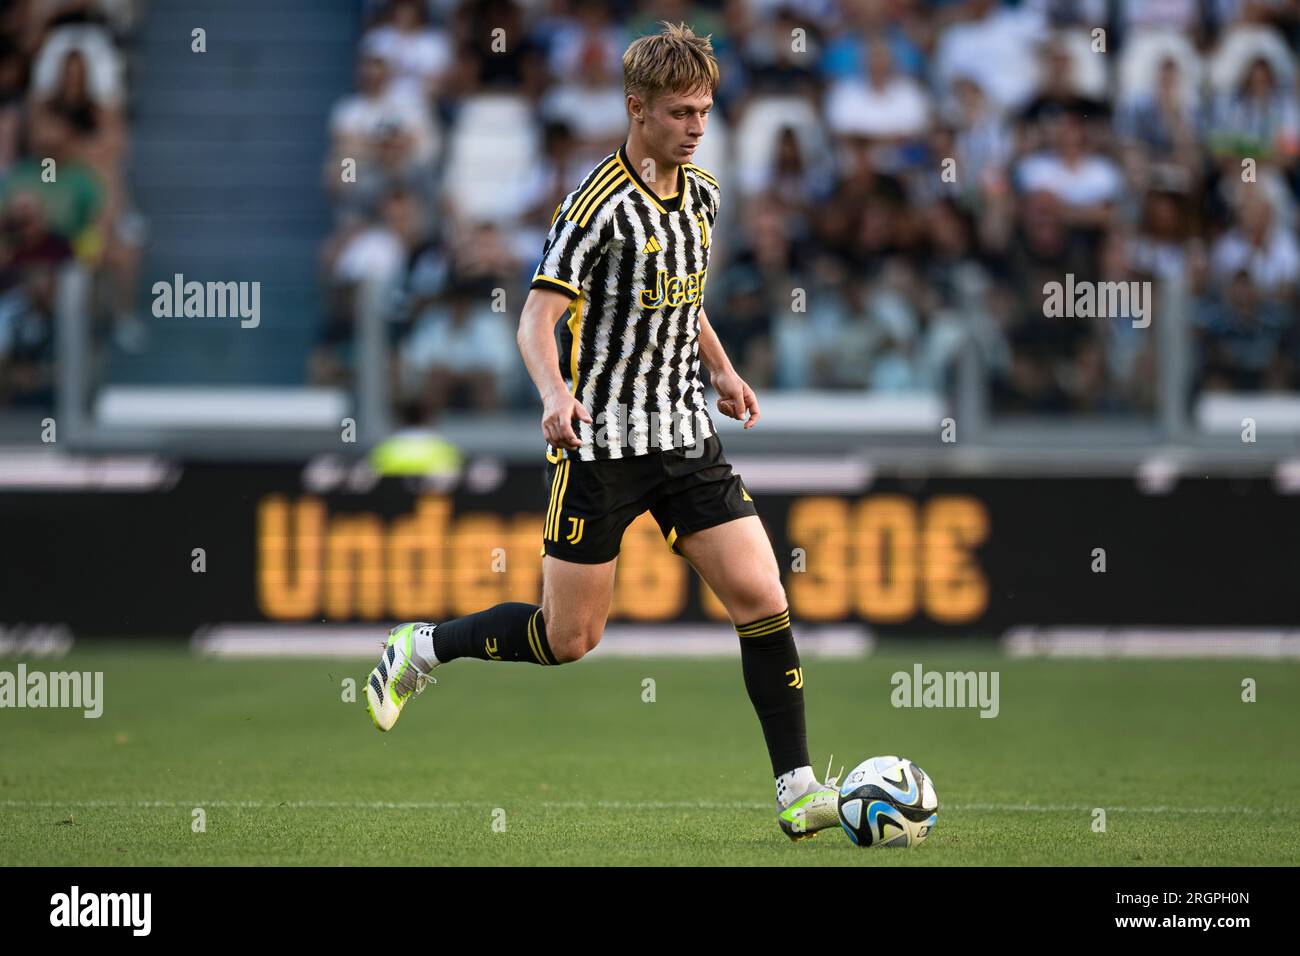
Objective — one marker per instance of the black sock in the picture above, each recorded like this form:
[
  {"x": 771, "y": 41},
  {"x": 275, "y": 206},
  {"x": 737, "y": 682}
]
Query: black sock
[
  {"x": 774, "y": 680},
  {"x": 508, "y": 632}
]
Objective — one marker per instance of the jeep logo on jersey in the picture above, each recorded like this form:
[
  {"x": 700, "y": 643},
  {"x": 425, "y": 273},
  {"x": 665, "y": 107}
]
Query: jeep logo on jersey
[{"x": 674, "y": 290}]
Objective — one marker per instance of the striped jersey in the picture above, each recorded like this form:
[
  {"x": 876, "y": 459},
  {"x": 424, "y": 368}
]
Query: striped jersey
[{"x": 634, "y": 266}]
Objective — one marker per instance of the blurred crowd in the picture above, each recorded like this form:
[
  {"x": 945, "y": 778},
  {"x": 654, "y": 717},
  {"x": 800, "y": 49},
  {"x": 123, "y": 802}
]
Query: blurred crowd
[
  {"x": 63, "y": 198},
  {"x": 901, "y": 179}
]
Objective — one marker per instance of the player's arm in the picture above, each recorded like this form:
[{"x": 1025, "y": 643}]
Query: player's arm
[
  {"x": 536, "y": 338},
  {"x": 735, "y": 397}
]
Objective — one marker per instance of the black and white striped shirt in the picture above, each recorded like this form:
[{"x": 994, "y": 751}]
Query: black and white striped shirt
[{"x": 634, "y": 266}]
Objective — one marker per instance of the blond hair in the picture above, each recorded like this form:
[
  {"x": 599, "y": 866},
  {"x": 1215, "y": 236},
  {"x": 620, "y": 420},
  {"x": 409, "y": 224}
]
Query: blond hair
[{"x": 674, "y": 60}]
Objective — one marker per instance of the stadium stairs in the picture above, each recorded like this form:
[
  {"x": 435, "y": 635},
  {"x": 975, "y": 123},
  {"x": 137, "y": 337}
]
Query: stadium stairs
[{"x": 226, "y": 154}]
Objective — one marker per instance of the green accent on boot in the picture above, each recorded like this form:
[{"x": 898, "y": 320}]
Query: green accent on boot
[
  {"x": 406, "y": 634},
  {"x": 793, "y": 814}
]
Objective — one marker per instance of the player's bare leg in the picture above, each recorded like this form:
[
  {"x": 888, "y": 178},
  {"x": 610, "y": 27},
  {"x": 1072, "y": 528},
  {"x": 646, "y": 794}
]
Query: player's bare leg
[
  {"x": 736, "y": 561},
  {"x": 568, "y": 624},
  {"x": 575, "y": 605}
]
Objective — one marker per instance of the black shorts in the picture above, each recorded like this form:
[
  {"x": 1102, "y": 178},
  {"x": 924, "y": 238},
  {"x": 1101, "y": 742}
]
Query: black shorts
[{"x": 591, "y": 503}]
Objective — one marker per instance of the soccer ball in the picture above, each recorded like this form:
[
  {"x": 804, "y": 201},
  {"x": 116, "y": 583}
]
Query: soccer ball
[{"x": 888, "y": 801}]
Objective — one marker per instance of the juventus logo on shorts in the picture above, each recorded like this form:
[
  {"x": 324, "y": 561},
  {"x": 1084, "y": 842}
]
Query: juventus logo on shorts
[
  {"x": 575, "y": 530},
  {"x": 796, "y": 677}
]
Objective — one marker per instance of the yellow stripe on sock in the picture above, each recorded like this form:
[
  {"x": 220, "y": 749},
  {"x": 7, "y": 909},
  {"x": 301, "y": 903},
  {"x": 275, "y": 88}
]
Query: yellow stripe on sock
[
  {"x": 764, "y": 621},
  {"x": 535, "y": 639},
  {"x": 541, "y": 643},
  {"x": 765, "y": 626},
  {"x": 768, "y": 619},
  {"x": 771, "y": 629}
]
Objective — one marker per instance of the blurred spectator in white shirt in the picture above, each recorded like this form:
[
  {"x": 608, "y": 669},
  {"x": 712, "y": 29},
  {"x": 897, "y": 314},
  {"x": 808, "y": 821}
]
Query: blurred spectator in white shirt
[
  {"x": 380, "y": 250},
  {"x": 460, "y": 352},
  {"x": 586, "y": 43},
  {"x": 589, "y": 102},
  {"x": 103, "y": 63},
  {"x": 357, "y": 117},
  {"x": 996, "y": 45},
  {"x": 1086, "y": 182},
  {"x": 418, "y": 54},
  {"x": 1258, "y": 246},
  {"x": 886, "y": 105}
]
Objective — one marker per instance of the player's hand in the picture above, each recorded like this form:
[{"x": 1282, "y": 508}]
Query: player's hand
[
  {"x": 735, "y": 398},
  {"x": 558, "y": 413}
]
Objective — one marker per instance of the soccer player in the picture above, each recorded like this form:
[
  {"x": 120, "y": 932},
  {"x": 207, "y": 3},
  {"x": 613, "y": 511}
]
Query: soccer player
[{"x": 627, "y": 427}]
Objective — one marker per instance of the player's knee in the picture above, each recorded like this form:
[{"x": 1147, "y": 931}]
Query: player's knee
[
  {"x": 774, "y": 596},
  {"x": 573, "y": 643},
  {"x": 760, "y": 599}
]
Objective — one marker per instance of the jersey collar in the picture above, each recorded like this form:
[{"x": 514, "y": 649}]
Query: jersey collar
[{"x": 671, "y": 203}]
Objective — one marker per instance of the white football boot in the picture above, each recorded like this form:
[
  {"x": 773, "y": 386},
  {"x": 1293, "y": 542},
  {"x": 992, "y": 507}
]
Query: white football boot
[
  {"x": 396, "y": 678},
  {"x": 817, "y": 808}
]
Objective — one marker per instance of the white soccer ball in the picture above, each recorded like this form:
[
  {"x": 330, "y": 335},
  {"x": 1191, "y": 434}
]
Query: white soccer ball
[{"x": 888, "y": 801}]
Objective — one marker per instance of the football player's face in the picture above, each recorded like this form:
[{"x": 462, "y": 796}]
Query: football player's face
[{"x": 675, "y": 124}]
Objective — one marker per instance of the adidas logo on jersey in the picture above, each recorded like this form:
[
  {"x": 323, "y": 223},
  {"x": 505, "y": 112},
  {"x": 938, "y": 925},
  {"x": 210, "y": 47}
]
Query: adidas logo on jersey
[{"x": 653, "y": 246}]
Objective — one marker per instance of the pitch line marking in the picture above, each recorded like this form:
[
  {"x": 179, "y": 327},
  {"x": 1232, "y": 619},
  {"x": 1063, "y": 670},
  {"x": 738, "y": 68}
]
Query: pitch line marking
[{"x": 600, "y": 805}]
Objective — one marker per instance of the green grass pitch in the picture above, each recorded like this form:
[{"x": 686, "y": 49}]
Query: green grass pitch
[{"x": 581, "y": 770}]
